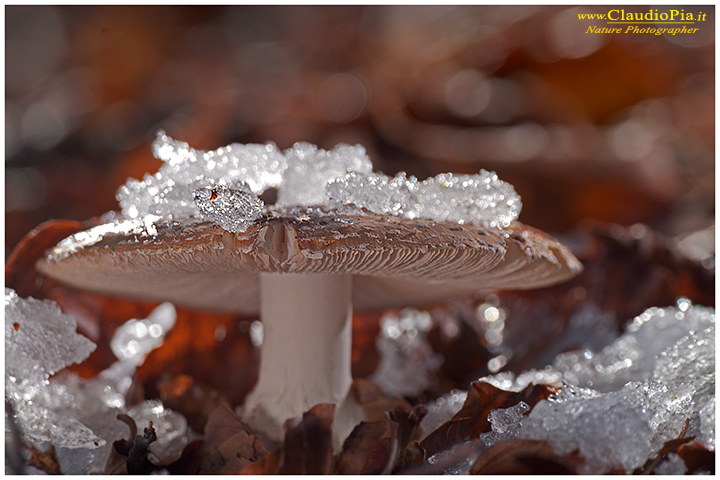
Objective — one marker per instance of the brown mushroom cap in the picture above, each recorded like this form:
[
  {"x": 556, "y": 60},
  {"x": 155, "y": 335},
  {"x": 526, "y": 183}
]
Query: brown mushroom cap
[{"x": 394, "y": 261}]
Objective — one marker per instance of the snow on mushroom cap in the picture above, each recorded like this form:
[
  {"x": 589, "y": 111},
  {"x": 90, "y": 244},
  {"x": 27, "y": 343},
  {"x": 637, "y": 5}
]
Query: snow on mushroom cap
[{"x": 308, "y": 176}]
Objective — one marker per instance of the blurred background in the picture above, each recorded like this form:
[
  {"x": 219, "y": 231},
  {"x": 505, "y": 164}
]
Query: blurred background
[{"x": 616, "y": 128}]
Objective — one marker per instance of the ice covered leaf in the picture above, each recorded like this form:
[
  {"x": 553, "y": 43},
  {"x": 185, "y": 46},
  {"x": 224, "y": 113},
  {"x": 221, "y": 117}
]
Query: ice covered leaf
[
  {"x": 309, "y": 170},
  {"x": 234, "y": 209},
  {"x": 443, "y": 409},
  {"x": 407, "y": 361},
  {"x": 525, "y": 457},
  {"x": 39, "y": 340},
  {"x": 627, "y": 427},
  {"x": 170, "y": 192}
]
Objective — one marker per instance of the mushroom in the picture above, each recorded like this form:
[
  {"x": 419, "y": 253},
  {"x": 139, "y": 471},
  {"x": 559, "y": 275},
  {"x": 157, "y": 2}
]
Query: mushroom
[{"x": 303, "y": 269}]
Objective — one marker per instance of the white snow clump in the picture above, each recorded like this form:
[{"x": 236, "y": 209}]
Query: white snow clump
[{"x": 223, "y": 186}]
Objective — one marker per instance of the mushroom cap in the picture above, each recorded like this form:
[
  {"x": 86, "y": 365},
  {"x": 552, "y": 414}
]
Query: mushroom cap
[{"x": 394, "y": 261}]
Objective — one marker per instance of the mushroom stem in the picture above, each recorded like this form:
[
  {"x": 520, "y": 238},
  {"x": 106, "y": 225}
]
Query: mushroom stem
[{"x": 306, "y": 350}]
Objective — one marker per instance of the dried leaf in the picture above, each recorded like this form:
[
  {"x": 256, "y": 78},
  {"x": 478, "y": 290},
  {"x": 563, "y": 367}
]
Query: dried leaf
[
  {"x": 380, "y": 447},
  {"x": 307, "y": 446},
  {"x": 472, "y": 419},
  {"x": 46, "y": 461},
  {"x": 525, "y": 457},
  {"x": 368, "y": 449},
  {"x": 228, "y": 446},
  {"x": 129, "y": 457},
  {"x": 698, "y": 458},
  {"x": 195, "y": 401}
]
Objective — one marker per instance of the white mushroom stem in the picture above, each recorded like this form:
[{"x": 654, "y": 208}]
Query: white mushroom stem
[{"x": 306, "y": 352}]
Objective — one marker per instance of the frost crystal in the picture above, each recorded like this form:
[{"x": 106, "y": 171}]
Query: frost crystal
[
  {"x": 310, "y": 169},
  {"x": 406, "y": 358},
  {"x": 505, "y": 423},
  {"x": 481, "y": 198},
  {"x": 39, "y": 339}
]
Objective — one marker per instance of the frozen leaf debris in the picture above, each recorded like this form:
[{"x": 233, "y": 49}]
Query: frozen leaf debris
[{"x": 481, "y": 198}]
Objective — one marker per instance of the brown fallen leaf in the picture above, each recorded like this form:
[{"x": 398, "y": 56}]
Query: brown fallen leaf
[
  {"x": 472, "y": 419},
  {"x": 381, "y": 447},
  {"x": 525, "y": 457},
  {"x": 228, "y": 446},
  {"x": 46, "y": 461},
  {"x": 307, "y": 446},
  {"x": 697, "y": 457}
]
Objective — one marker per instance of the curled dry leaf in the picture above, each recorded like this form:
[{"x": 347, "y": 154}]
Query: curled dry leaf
[
  {"x": 472, "y": 419},
  {"x": 129, "y": 457},
  {"x": 306, "y": 448},
  {"x": 697, "y": 457},
  {"x": 381, "y": 447},
  {"x": 525, "y": 457}
]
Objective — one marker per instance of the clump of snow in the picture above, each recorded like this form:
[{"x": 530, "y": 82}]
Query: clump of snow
[
  {"x": 646, "y": 384},
  {"x": 442, "y": 409},
  {"x": 170, "y": 192},
  {"x": 407, "y": 361},
  {"x": 481, "y": 198},
  {"x": 310, "y": 169},
  {"x": 77, "y": 416},
  {"x": 223, "y": 186}
]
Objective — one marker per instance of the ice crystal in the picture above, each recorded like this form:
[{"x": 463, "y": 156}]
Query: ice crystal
[
  {"x": 505, "y": 423},
  {"x": 448, "y": 197},
  {"x": 170, "y": 427},
  {"x": 40, "y": 340},
  {"x": 406, "y": 358},
  {"x": 234, "y": 209}
]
